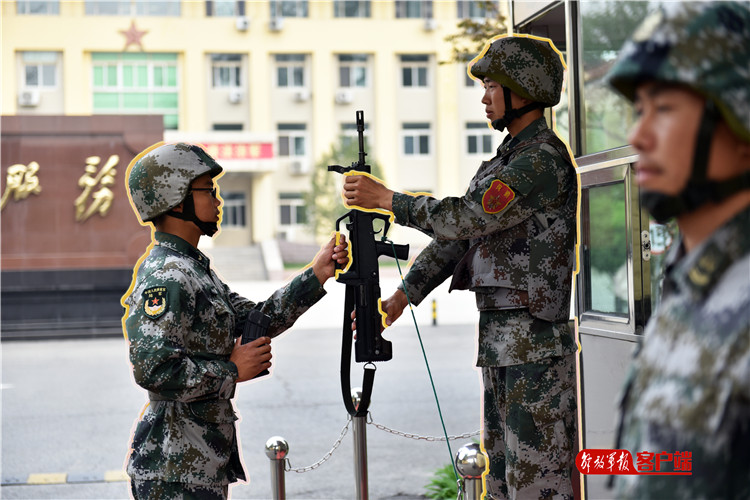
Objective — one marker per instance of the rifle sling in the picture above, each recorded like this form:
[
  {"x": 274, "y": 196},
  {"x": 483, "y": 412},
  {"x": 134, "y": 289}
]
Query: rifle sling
[{"x": 346, "y": 357}]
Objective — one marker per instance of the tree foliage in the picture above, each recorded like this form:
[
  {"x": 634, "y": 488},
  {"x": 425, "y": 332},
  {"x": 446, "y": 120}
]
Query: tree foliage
[
  {"x": 473, "y": 33},
  {"x": 323, "y": 202}
]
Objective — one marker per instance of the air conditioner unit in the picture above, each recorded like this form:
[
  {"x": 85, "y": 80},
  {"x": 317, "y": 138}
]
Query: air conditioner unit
[
  {"x": 302, "y": 95},
  {"x": 235, "y": 96},
  {"x": 344, "y": 97},
  {"x": 298, "y": 167},
  {"x": 242, "y": 23},
  {"x": 29, "y": 98},
  {"x": 430, "y": 24},
  {"x": 276, "y": 24}
]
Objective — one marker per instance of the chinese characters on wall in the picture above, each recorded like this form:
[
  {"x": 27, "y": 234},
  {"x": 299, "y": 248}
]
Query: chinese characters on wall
[
  {"x": 96, "y": 196},
  {"x": 21, "y": 182}
]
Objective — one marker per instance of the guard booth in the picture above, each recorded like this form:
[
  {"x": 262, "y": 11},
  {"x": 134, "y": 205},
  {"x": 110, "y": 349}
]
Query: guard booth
[{"x": 621, "y": 250}]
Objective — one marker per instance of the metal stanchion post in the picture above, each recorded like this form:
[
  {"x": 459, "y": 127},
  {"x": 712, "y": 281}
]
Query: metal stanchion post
[
  {"x": 277, "y": 449},
  {"x": 360, "y": 448},
  {"x": 471, "y": 462}
]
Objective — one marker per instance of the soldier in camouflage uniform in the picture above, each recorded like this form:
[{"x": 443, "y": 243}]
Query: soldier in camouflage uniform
[
  {"x": 181, "y": 321},
  {"x": 686, "y": 399},
  {"x": 511, "y": 240}
]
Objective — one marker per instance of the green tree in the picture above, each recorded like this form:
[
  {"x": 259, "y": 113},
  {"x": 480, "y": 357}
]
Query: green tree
[
  {"x": 323, "y": 202},
  {"x": 474, "y": 32}
]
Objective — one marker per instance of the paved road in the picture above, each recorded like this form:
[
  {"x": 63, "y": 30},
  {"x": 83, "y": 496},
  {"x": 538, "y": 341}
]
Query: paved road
[{"x": 68, "y": 407}]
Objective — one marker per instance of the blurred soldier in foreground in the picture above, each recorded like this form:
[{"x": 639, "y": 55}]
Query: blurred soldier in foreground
[
  {"x": 181, "y": 321},
  {"x": 687, "y": 69},
  {"x": 511, "y": 240}
]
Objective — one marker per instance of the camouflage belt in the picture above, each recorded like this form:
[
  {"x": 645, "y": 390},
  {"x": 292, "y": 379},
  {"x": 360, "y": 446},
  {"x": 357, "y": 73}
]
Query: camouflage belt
[
  {"x": 152, "y": 396},
  {"x": 502, "y": 298}
]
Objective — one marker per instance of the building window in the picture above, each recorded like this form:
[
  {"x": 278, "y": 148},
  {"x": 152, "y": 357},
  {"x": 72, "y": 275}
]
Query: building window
[
  {"x": 290, "y": 70},
  {"x": 51, "y": 7},
  {"x": 416, "y": 137},
  {"x": 40, "y": 69},
  {"x": 234, "y": 209},
  {"x": 225, "y": 8},
  {"x": 292, "y": 210},
  {"x": 227, "y": 126},
  {"x": 132, "y": 8},
  {"x": 289, "y": 8},
  {"x": 131, "y": 83},
  {"x": 414, "y": 70},
  {"x": 413, "y": 9},
  {"x": 226, "y": 71},
  {"x": 292, "y": 139},
  {"x": 351, "y": 8},
  {"x": 477, "y": 9},
  {"x": 353, "y": 70},
  {"x": 478, "y": 139}
]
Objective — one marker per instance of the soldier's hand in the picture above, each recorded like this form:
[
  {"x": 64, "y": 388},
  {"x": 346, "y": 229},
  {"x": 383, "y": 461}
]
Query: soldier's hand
[
  {"x": 324, "y": 264},
  {"x": 363, "y": 191},
  {"x": 393, "y": 307},
  {"x": 251, "y": 358}
]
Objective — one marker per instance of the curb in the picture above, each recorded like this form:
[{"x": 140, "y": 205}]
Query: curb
[{"x": 110, "y": 476}]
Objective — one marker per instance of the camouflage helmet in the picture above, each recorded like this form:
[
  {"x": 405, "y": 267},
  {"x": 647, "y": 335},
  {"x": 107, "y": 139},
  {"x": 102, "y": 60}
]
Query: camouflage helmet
[
  {"x": 704, "y": 46},
  {"x": 529, "y": 66},
  {"x": 161, "y": 177}
]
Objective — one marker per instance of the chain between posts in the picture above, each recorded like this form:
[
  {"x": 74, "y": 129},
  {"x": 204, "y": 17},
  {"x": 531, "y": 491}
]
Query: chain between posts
[
  {"x": 288, "y": 466},
  {"x": 417, "y": 436}
]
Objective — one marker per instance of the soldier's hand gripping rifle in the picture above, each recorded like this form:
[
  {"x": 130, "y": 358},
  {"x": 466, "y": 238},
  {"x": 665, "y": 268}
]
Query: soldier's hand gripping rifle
[{"x": 362, "y": 282}]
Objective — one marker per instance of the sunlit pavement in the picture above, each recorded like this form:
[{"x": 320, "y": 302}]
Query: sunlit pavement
[{"x": 68, "y": 407}]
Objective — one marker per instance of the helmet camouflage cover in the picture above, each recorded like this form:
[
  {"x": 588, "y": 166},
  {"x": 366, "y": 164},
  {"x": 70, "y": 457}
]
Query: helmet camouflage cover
[
  {"x": 161, "y": 178},
  {"x": 702, "y": 45},
  {"x": 530, "y": 67}
]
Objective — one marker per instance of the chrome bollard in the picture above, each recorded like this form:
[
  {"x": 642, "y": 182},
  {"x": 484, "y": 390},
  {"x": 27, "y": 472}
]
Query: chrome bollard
[
  {"x": 359, "y": 427},
  {"x": 471, "y": 463},
  {"x": 276, "y": 450}
]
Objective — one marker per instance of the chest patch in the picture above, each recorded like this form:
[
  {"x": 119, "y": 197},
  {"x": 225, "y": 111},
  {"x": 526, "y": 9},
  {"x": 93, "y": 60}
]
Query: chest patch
[
  {"x": 155, "y": 301},
  {"x": 497, "y": 197}
]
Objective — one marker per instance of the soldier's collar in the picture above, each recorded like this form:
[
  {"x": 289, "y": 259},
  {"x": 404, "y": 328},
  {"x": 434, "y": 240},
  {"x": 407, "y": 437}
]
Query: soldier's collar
[
  {"x": 702, "y": 268},
  {"x": 181, "y": 246},
  {"x": 531, "y": 130}
]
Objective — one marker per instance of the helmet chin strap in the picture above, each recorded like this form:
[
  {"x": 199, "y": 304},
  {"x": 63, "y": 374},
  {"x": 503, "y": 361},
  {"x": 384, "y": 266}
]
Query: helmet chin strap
[
  {"x": 511, "y": 114},
  {"x": 699, "y": 190},
  {"x": 188, "y": 214}
]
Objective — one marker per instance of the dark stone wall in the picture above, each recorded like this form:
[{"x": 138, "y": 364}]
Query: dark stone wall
[{"x": 60, "y": 275}]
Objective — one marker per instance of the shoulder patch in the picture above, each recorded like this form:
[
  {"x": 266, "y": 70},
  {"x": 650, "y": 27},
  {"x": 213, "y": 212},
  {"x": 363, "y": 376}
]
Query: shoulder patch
[
  {"x": 155, "y": 301},
  {"x": 497, "y": 197}
]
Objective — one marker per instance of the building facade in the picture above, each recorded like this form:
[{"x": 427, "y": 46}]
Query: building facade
[{"x": 267, "y": 86}]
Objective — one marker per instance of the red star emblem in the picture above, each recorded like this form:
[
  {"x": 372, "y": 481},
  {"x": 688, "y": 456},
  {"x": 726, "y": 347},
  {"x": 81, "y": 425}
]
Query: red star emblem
[
  {"x": 133, "y": 36},
  {"x": 155, "y": 301}
]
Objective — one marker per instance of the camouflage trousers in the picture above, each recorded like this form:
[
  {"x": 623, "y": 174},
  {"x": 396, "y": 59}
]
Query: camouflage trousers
[
  {"x": 529, "y": 429},
  {"x": 164, "y": 490}
]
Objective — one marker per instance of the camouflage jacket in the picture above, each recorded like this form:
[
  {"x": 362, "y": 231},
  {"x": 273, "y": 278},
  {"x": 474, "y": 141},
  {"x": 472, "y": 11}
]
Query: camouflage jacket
[
  {"x": 688, "y": 391},
  {"x": 180, "y": 323},
  {"x": 510, "y": 239}
]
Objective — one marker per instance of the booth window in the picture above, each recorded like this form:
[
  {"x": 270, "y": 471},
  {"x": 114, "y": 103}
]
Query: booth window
[
  {"x": 605, "y": 249},
  {"x": 605, "y": 26}
]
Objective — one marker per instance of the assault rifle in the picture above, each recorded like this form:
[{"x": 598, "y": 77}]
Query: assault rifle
[{"x": 362, "y": 282}]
